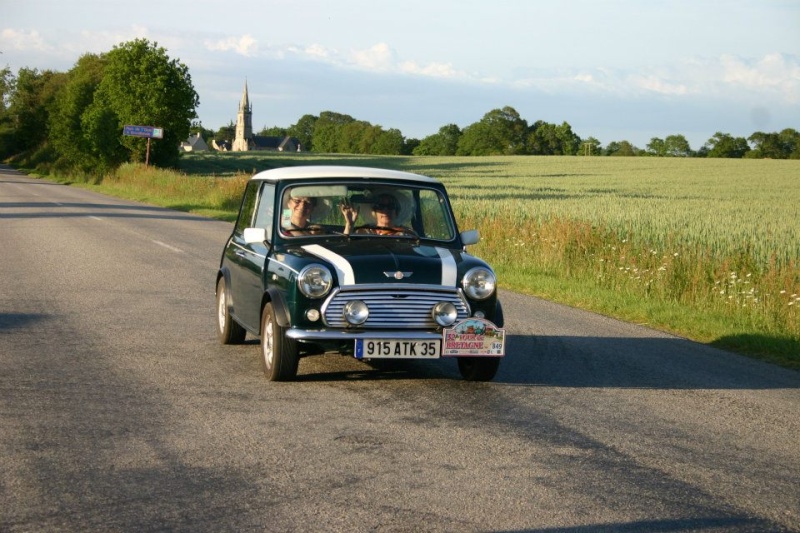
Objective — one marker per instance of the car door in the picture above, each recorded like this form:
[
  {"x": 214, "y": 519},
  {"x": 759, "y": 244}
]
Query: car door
[{"x": 247, "y": 260}]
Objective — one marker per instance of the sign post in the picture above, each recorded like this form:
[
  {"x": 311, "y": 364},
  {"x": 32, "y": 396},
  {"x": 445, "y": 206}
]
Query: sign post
[{"x": 151, "y": 132}]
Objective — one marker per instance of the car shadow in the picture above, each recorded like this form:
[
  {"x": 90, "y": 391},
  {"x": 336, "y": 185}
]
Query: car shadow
[{"x": 666, "y": 363}]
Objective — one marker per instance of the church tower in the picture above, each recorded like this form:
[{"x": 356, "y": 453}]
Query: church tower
[{"x": 244, "y": 124}]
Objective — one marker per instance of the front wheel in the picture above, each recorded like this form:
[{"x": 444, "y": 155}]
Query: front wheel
[
  {"x": 279, "y": 354},
  {"x": 228, "y": 330},
  {"x": 478, "y": 368}
]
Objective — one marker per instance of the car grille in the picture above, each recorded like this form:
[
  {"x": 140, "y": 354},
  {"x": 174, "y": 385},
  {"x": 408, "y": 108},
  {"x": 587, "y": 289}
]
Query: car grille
[{"x": 393, "y": 308}]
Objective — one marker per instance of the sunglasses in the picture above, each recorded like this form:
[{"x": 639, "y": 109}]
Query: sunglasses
[
  {"x": 384, "y": 207},
  {"x": 303, "y": 201}
]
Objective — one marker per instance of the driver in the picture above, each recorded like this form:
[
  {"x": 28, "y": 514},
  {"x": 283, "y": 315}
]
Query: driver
[
  {"x": 301, "y": 208},
  {"x": 384, "y": 211}
]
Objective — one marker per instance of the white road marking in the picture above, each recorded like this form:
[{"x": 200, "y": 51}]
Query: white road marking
[{"x": 168, "y": 247}]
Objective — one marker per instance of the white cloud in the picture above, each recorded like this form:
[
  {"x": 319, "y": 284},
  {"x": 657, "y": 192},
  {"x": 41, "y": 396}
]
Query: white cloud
[
  {"x": 244, "y": 45},
  {"x": 774, "y": 73},
  {"x": 377, "y": 58},
  {"x": 24, "y": 40}
]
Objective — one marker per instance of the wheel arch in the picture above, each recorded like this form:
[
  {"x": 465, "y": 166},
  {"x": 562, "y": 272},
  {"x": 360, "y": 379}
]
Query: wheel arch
[{"x": 279, "y": 306}]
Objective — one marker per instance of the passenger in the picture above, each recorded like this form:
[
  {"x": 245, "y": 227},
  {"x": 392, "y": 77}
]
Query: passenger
[{"x": 384, "y": 211}]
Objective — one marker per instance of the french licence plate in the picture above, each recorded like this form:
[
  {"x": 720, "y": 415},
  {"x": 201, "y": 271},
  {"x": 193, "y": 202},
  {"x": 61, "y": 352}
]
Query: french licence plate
[{"x": 397, "y": 349}]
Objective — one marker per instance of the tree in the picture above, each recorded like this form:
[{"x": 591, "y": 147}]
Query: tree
[
  {"x": 725, "y": 145},
  {"x": 499, "y": 132},
  {"x": 226, "y": 133},
  {"x": 303, "y": 130},
  {"x": 621, "y": 148},
  {"x": 657, "y": 147},
  {"x": 783, "y": 145},
  {"x": 274, "y": 131},
  {"x": 445, "y": 142},
  {"x": 591, "y": 146},
  {"x": 677, "y": 146},
  {"x": 328, "y": 129},
  {"x": 197, "y": 127},
  {"x": 7, "y": 134},
  {"x": 29, "y": 106},
  {"x": 143, "y": 86},
  {"x": 548, "y": 139},
  {"x": 389, "y": 142},
  {"x": 67, "y": 134}
]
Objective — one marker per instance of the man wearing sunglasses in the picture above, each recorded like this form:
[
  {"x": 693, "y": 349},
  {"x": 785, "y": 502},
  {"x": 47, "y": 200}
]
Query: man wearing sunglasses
[{"x": 384, "y": 211}]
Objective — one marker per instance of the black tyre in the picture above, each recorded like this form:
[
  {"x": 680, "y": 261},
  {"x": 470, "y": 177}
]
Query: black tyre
[
  {"x": 478, "y": 368},
  {"x": 279, "y": 355},
  {"x": 228, "y": 330}
]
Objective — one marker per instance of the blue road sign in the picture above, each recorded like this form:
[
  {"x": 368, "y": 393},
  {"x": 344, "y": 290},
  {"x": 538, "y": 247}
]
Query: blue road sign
[{"x": 144, "y": 131}]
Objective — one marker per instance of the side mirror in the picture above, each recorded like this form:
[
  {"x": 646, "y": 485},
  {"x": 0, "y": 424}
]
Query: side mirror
[
  {"x": 255, "y": 235},
  {"x": 470, "y": 237}
]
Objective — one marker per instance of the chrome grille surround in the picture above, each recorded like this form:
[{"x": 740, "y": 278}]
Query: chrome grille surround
[{"x": 393, "y": 306}]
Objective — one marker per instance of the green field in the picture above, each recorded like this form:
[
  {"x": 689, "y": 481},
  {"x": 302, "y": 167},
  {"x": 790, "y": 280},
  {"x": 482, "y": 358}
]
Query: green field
[{"x": 706, "y": 248}]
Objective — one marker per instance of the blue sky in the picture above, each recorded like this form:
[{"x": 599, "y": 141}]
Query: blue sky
[{"x": 615, "y": 70}]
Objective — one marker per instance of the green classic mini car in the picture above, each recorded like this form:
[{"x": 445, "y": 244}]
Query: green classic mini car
[{"x": 364, "y": 262}]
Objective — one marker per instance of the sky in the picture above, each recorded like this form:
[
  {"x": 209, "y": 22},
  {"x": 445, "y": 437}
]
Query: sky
[{"x": 614, "y": 70}]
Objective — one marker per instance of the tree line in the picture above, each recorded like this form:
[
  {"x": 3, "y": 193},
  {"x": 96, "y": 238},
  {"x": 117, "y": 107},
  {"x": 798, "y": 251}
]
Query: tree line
[{"x": 73, "y": 122}]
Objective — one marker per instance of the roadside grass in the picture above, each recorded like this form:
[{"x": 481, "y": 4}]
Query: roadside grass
[{"x": 708, "y": 249}]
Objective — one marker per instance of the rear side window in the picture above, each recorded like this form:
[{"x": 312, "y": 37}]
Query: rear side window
[
  {"x": 265, "y": 213},
  {"x": 248, "y": 205}
]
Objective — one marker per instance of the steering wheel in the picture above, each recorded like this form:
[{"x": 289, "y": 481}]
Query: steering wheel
[{"x": 400, "y": 230}]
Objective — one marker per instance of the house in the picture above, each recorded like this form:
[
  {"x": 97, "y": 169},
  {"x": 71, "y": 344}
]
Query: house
[{"x": 194, "y": 143}]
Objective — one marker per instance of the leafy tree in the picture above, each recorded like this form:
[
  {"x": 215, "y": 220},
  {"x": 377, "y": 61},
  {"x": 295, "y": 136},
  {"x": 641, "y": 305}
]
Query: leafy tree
[
  {"x": 7, "y": 134},
  {"x": 549, "y": 139},
  {"x": 790, "y": 141},
  {"x": 389, "y": 142},
  {"x": 622, "y": 148},
  {"x": 226, "y": 133},
  {"x": 29, "y": 106},
  {"x": 499, "y": 132},
  {"x": 197, "y": 127},
  {"x": 327, "y": 130},
  {"x": 781, "y": 145},
  {"x": 70, "y": 140},
  {"x": 409, "y": 145},
  {"x": 304, "y": 131},
  {"x": 725, "y": 145},
  {"x": 143, "y": 86},
  {"x": 657, "y": 147},
  {"x": 445, "y": 142},
  {"x": 274, "y": 131},
  {"x": 677, "y": 146},
  {"x": 7, "y": 82},
  {"x": 591, "y": 146}
]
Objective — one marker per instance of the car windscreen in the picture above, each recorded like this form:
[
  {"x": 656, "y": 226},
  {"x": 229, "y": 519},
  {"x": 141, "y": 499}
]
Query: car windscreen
[{"x": 358, "y": 209}]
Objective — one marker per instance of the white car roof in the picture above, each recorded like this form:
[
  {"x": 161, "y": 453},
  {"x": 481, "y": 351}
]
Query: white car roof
[{"x": 332, "y": 171}]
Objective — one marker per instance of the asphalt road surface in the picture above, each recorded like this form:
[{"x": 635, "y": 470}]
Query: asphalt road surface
[{"x": 119, "y": 411}]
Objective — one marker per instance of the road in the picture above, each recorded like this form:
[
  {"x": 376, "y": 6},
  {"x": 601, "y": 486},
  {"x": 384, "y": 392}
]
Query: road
[{"x": 119, "y": 411}]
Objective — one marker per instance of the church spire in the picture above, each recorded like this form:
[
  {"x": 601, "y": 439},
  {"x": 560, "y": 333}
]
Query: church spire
[
  {"x": 244, "y": 123},
  {"x": 244, "y": 105}
]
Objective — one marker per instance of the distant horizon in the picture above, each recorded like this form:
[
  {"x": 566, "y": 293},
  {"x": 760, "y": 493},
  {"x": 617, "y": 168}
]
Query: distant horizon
[{"x": 621, "y": 71}]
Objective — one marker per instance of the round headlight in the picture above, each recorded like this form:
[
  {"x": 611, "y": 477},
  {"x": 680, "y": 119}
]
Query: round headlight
[
  {"x": 315, "y": 281},
  {"x": 444, "y": 313},
  {"x": 355, "y": 312},
  {"x": 479, "y": 283}
]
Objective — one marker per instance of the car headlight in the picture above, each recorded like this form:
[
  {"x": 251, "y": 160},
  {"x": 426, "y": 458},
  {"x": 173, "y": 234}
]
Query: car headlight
[
  {"x": 444, "y": 314},
  {"x": 315, "y": 281},
  {"x": 479, "y": 283},
  {"x": 356, "y": 312}
]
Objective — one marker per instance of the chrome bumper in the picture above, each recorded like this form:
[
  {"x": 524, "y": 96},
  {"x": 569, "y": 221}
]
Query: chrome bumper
[{"x": 343, "y": 335}]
